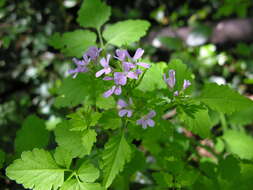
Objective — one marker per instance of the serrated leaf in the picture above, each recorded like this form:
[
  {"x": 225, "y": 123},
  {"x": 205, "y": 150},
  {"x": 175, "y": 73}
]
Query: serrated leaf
[
  {"x": 88, "y": 139},
  {"x": 239, "y": 143},
  {"x": 74, "y": 91},
  {"x": 78, "y": 185},
  {"x": 229, "y": 168},
  {"x": 110, "y": 120},
  {"x": 125, "y": 32},
  {"x": 153, "y": 78},
  {"x": 73, "y": 43},
  {"x": 93, "y": 13},
  {"x": 36, "y": 170},
  {"x": 2, "y": 158},
  {"x": 223, "y": 99},
  {"x": 200, "y": 124},
  {"x": 70, "y": 140},
  {"x": 116, "y": 154},
  {"x": 242, "y": 118},
  {"x": 105, "y": 103},
  {"x": 33, "y": 134},
  {"x": 87, "y": 172},
  {"x": 163, "y": 179},
  {"x": 63, "y": 157}
]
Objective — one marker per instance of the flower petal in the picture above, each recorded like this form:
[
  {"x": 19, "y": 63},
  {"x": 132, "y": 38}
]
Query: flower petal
[
  {"x": 117, "y": 90},
  {"x": 151, "y": 122},
  {"x": 151, "y": 114},
  {"x": 132, "y": 75},
  {"x": 99, "y": 73},
  {"x": 122, "y": 112},
  {"x": 122, "y": 103},
  {"x": 109, "y": 92},
  {"x": 138, "y": 54},
  {"x": 145, "y": 65}
]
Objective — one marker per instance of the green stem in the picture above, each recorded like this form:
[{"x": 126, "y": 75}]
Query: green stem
[
  {"x": 223, "y": 122},
  {"x": 100, "y": 38},
  {"x": 73, "y": 173}
]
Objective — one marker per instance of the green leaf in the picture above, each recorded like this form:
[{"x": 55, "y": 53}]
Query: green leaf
[
  {"x": 182, "y": 73},
  {"x": 93, "y": 13},
  {"x": 73, "y": 91},
  {"x": 105, "y": 103},
  {"x": 172, "y": 43},
  {"x": 153, "y": 78},
  {"x": 88, "y": 139},
  {"x": 83, "y": 118},
  {"x": 73, "y": 43},
  {"x": 87, "y": 172},
  {"x": 78, "y": 185},
  {"x": 242, "y": 118},
  {"x": 33, "y": 134},
  {"x": 83, "y": 88},
  {"x": 63, "y": 157},
  {"x": 229, "y": 168},
  {"x": 110, "y": 120},
  {"x": 125, "y": 32},
  {"x": 70, "y": 140},
  {"x": 223, "y": 99},
  {"x": 239, "y": 143},
  {"x": 116, "y": 154},
  {"x": 200, "y": 124},
  {"x": 36, "y": 170},
  {"x": 163, "y": 179},
  {"x": 2, "y": 158}
]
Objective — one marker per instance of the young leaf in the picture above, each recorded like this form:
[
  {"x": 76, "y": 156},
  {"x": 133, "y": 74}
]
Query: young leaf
[
  {"x": 2, "y": 158},
  {"x": 73, "y": 43},
  {"x": 70, "y": 140},
  {"x": 88, "y": 139},
  {"x": 110, "y": 120},
  {"x": 87, "y": 172},
  {"x": 93, "y": 13},
  {"x": 36, "y": 170},
  {"x": 200, "y": 124},
  {"x": 125, "y": 32},
  {"x": 152, "y": 79},
  {"x": 63, "y": 157},
  {"x": 223, "y": 99},
  {"x": 163, "y": 179},
  {"x": 239, "y": 143},
  {"x": 33, "y": 134},
  {"x": 116, "y": 154},
  {"x": 73, "y": 91},
  {"x": 78, "y": 185}
]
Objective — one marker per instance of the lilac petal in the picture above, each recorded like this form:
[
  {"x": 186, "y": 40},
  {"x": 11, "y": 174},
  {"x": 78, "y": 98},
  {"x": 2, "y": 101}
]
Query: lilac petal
[
  {"x": 140, "y": 121},
  {"x": 151, "y": 122},
  {"x": 138, "y": 71},
  {"x": 117, "y": 90},
  {"x": 129, "y": 113},
  {"x": 86, "y": 59},
  {"x": 122, "y": 103},
  {"x": 127, "y": 66},
  {"x": 145, "y": 65},
  {"x": 99, "y": 73},
  {"x": 186, "y": 84},
  {"x": 151, "y": 114},
  {"x": 72, "y": 71},
  {"x": 122, "y": 112},
  {"x": 120, "y": 78},
  {"x": 138, "y": 54},
  {"x": 107, "y": 70},
  {"x": 132, "y": 75},
  {"x": 105, "y": 62},
  {"x": 121, "y": 54},
  {"x": 107, "y": 78},
  {"x": 93, "y": 52},
  {"x": 176, "y": 93},
  {"x": 78, "y": 62},
  {"x": 164, "y": 78},
  {"x": 109, "y": 92}
]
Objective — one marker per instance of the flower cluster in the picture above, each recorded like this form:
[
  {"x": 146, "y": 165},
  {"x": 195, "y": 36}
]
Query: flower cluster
[
  {"x": 171, "y": 81},
  {"x": 82, "y": 65},
  {"x": 128, "y": 68}
]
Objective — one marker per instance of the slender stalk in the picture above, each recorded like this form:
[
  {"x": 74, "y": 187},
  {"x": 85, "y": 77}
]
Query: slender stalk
[
  {"x": 100, "y": 38},
  {"x": 223, "y": 122}
]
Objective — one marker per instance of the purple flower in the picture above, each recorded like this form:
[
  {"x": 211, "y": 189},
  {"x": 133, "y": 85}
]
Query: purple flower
[
  {"x": 176, "y": 93},
  {"x": 114, "y": 90},
  {"x": 127, "y": 66},
  {"x": 171, "y": 80},
  {"x": 120, "y": 78},
  {"x": 105, "y": 63},
  {"x": 138, "y": 54},
  {"x": 186, "y": 84},
  {"x": 124, "y": 108},
  {"x": 93, "y": 52},
  {"x": 146, "y": 120},
  {"x": 121, "y": 54},
  {"x": 81, "y": 67}
]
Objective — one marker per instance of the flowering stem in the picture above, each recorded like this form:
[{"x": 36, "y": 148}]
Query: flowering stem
[{"x": 100, "y": 38}]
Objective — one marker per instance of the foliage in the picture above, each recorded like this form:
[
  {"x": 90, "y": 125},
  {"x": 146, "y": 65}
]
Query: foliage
[{"x": 127, "y": 122}]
